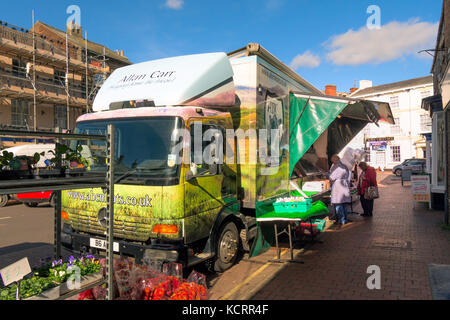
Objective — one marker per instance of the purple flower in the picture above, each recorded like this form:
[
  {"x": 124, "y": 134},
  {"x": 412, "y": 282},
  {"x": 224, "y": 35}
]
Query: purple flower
[
  {"x": 71, "y": 259},
  {"x": 54, "y": 263}
]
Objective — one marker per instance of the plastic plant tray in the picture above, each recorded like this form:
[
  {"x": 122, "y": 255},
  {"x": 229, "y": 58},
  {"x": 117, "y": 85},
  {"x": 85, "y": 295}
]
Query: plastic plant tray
[{"x": 293, "y": 207}]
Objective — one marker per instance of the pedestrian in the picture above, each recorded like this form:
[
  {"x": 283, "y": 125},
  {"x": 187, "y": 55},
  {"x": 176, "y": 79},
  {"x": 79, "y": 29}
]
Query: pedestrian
[
  {"x": 340, "y": 188},
  {"x": 367, "y": 178}
]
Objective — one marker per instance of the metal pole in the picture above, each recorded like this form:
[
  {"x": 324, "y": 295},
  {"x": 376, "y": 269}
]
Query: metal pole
[
  {"x": 57, "y": 212},
  {"x": 110, "y": 213},
  {"x": 276, "y": 240},
  {"x": 67, "y": 81},
  {"x": 87, "y": 82},
  {"x": 34, "y": 78}
]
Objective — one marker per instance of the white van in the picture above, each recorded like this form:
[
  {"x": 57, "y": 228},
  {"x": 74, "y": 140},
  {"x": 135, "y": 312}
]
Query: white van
[
  {"x": 31, "y": 149},
  {"x": 28, "y": 150}
]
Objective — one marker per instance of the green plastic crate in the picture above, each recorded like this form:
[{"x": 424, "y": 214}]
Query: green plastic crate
[
  {"x": 320, "y": 223},
  {"x": 292, "y": 207}
]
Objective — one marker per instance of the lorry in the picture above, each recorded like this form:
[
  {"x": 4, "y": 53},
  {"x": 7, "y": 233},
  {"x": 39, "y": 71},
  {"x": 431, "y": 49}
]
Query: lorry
[{"x": 205, "y": 144}]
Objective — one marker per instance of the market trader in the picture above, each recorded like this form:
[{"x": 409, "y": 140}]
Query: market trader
[{"x": 340, "y": 188}]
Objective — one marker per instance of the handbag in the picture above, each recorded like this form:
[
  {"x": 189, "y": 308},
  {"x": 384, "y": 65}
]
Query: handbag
[{"x": 371, "y": 193}]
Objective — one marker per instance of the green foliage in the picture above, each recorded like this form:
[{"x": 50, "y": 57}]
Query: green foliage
[
  {"x": 65, "y": 153},
  {"x": 51, "y": 275},
  {"x": 5, "y": 158}
]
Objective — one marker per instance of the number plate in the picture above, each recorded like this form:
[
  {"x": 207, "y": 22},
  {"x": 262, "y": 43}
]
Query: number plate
[{"x": 101, "y": 244}]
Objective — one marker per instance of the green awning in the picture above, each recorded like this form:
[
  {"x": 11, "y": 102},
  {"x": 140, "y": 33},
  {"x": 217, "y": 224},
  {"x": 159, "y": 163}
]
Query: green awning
[
  {"x": 311, "y": 115},
  {"x": 308, "y": 118}
]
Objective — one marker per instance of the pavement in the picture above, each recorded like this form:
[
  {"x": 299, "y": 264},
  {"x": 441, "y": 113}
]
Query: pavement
[{"x": 398, "y": 239}]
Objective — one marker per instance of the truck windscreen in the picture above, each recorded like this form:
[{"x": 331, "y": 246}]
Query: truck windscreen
[{"x": 143, "y": 147}]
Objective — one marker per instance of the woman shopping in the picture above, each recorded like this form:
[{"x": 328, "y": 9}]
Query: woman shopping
[{"x": 367, "y": 188}]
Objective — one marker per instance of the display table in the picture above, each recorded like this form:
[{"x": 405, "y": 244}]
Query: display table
[{"x": 318, "y": 209}]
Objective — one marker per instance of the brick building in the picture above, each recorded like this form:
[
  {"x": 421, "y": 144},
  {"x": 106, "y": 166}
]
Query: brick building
[{"x": 25, "y": 88}]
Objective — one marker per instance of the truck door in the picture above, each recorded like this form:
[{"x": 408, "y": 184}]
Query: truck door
[{"x": 204, "y": 193}]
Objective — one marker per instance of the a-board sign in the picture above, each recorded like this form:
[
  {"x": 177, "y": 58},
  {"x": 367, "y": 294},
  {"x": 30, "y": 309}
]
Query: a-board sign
[
  {"x": 15, "y": 272},
  {"x": 420, "y": 188}
]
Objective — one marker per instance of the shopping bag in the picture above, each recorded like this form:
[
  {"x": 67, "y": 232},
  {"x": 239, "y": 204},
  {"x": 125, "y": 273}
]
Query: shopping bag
[{"x": 371, "y": 193}]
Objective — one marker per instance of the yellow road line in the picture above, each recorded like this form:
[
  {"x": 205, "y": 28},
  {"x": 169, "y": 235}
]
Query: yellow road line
[{"x": 254, "y": 274}]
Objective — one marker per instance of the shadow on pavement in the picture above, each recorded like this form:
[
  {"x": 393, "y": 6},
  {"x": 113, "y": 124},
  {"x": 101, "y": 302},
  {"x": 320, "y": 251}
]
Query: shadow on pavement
[{"x": 34, "y": 251}]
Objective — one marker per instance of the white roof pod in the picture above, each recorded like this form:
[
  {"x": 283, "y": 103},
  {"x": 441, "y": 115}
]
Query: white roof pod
[{"x": 195, "y": 80}]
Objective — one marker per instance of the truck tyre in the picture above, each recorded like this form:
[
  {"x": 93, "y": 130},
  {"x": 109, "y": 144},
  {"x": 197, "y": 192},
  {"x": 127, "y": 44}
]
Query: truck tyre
[
  {"x": 31, "y": 204},
  {"x": 227, "y": 247},
  {"x": 3, "y": 200}
]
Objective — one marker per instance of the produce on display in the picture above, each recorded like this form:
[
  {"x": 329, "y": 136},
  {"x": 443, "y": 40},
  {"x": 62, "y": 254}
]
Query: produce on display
[{"x": 151, "y": 281}]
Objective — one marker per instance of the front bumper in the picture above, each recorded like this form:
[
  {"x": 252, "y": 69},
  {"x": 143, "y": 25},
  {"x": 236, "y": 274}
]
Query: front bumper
[{"x": 168, "y": 252}]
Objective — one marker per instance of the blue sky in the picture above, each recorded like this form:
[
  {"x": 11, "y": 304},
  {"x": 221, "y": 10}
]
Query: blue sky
[{"x": 326, "y": 42}]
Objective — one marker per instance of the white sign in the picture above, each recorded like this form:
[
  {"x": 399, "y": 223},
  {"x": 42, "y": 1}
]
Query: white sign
[
  {"x": 169, "y": 81},
  {"x": 420, "y": 188},
  {"x": 101, "y": 244},
  {"x": 15, "y": 272}
]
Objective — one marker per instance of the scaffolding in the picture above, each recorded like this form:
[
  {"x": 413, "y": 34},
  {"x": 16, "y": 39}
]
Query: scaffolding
[{"x": 24, "y": 82}]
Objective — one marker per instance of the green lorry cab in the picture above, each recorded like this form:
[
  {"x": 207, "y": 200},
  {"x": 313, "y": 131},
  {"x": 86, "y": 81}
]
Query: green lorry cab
[{"x": 203, "y": 145}]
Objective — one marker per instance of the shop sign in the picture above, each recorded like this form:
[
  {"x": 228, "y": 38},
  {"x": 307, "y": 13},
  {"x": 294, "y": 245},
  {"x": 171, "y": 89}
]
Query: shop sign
[
  {"x": 420, "y": 188},
  {"x": 378, "y": 145}
]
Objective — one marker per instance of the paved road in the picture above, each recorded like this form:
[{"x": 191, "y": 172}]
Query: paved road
[
  {"x": 28, "y": 232},
  {"x": 400, "y": 240},
  {"x": 25, "y": 232}
]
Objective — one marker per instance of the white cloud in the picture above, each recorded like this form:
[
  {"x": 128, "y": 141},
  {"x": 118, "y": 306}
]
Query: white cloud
[
  {"x": 394, "y": 40},
  {"x": 307, "y": 60},
  {"x": 174, "y": 4}
]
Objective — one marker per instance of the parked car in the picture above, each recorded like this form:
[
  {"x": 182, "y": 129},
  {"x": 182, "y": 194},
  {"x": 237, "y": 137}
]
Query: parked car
[
  {"x": 414, "y": 164},
  {"x": 30, "y": 150},
  {"x": 32, "y": 199}
]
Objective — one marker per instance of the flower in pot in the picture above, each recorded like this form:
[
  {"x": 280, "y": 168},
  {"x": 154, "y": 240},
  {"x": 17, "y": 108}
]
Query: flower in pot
[{"x": 76, "y": 160}]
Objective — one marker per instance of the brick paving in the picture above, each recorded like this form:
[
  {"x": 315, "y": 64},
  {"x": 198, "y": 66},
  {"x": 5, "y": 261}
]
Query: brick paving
[{"x": 400, "y": 240}]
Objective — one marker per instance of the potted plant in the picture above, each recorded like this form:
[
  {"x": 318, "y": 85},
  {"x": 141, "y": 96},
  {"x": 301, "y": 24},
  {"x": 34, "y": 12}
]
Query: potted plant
[
  {"x": 13, "y": 167},
  {"x": 77, "y": 163},
  {"x": 52, "y": 169}
]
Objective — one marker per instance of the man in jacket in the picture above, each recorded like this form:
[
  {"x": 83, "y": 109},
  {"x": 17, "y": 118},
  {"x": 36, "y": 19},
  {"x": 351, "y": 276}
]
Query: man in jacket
[
  {"x": 368, "y": 178},
  {"x": 340, "y": 188}
]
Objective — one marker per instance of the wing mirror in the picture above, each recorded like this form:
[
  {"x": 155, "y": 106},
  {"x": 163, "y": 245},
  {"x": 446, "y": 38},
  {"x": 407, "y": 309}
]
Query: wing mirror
[{"x": 189, "y": 175}]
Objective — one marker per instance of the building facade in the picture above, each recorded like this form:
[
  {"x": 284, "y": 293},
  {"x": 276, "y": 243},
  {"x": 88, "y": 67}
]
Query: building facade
[
  {"x": 389, "y": 145},
  {"x": 438, "y": 107},
  {"x": 39, "y": 95}
]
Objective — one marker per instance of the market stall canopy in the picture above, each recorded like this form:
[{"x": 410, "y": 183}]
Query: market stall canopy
[
  {"x": 311, "y": 115},
  {"x": 195, "y": 80}
]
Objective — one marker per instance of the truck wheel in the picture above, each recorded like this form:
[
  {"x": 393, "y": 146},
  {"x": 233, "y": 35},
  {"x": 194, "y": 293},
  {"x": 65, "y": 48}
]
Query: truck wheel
[
  {"x": 3, "y": 200},
  {"x": 227, "y": 247},
  {"x": 31, "y": 204}
]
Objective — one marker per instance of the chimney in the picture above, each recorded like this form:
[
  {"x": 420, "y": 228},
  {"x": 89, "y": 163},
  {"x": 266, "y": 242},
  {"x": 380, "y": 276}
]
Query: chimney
[
  {"x": 74, "y": 29},
  {"x": 330, "y": 90},
  {"x": 365, "y": 84}
]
